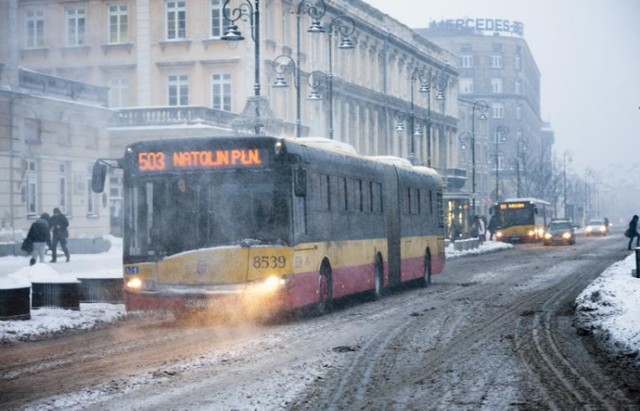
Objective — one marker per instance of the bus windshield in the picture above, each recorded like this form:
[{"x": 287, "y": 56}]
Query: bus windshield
[
  {"x": 514, "y": 217},
  {"x": 171, "y": 214}
]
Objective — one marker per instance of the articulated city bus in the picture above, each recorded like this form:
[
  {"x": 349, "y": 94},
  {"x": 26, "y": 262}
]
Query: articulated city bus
[
  {"x": 522, "y": 219},
  {"x": 270, "y": 223}
]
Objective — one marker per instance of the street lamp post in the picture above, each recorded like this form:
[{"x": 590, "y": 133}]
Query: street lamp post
[
  {"x": 252, "y": 12},
  {"x": 316, "y": 9},
  {"x": 418, "y": 73},
  {"x": 345, "y": 26},
  {"x": 482, "y": 107},
  {"x": 566, "y": 158},
  {"x": 520, "y": 148},
  {"x": 440, "y": 84},
  {"x": 500, "y": 136}
]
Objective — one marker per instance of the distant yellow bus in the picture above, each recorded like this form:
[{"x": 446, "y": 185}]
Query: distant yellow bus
[
  {"x": 522, "y": 219},
  {"x": 270, "y": 223}
]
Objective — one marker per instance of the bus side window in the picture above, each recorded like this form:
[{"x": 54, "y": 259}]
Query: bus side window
[{"x": 300, "y": 182}]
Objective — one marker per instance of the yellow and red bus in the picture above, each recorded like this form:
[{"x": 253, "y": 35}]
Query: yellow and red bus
[
  {"x": 282, "y": 223},
  {"x": 522, "y": 219}
]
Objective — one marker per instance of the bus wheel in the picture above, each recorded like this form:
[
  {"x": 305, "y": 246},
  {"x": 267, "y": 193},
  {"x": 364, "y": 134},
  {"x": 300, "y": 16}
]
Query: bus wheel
[
  {"x": 425, "y": 281},
  {"x": 325, "y": 290},
  {"x": 378, "y": 279}
]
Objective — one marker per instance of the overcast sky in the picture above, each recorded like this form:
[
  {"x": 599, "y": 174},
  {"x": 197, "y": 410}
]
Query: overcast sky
[{"x": 588, "y": 54}]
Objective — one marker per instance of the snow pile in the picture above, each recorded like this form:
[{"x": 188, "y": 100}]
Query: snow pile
[
  {"x": 485, "y": 247},
  {"x": 610, "y": 309},
  {"x": 41, "y": 273}
]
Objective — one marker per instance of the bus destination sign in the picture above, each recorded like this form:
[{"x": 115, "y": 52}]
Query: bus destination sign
[
  {"x": 510, "y": 206},
  {"x": 200, "y": 159}
]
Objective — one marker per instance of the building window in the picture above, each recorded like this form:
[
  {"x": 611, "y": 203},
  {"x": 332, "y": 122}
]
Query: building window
[
  {"x": 498, "y": 161},
  {"x": 517, "y": 62},
  {"x": 118, "y": 23},
  {"x": 221, "y": 91},
  {"x": 176, "y": 20},
  {"x": 62, "y": 187},
  {"x": 33, "y": 131},
  {"x": 496, "y": 85},
  {"x": 178, "y": 90},
  {"x": 31, "y": 188},
  {"x": 497, "y": 110},
  {"x": 517, "y": 87},
  {"x": 519, "y": 112},
  {"x": 34, "y": 29},
  {"x": 76, "y": 26},
  {"x": 496, "y": 61},
  {"x": 466, "y": 61},
  {"x": 218, "y": 22},
  {"x": 119, "y": 92},
  {"x": 465, "y": 85}
]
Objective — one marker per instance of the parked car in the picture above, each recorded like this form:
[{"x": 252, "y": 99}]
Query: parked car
[
  {"x": 596, "y": 227},
  {"x": 559, "y": 232}
]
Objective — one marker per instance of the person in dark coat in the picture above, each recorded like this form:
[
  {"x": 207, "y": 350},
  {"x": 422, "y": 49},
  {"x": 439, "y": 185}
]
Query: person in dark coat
[
  {"x": 39, "y": 235},
  {"x": 59, "y": 224},
  {"x": 632, "y": 232}
]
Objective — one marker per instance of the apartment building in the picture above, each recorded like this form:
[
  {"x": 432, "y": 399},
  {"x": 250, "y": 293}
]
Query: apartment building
[{"x": 499, "y": 80}]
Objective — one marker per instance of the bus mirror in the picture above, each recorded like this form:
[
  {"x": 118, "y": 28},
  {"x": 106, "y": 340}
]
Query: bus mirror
[
  {"x": 98, "y": 176},
  {"x": 300, "y": 182},
  {"x": 535, "y": 210}
]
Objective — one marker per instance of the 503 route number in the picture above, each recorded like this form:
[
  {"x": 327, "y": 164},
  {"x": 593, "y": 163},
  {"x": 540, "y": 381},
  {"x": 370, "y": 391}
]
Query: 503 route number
[{"x": 272, "y": 261}]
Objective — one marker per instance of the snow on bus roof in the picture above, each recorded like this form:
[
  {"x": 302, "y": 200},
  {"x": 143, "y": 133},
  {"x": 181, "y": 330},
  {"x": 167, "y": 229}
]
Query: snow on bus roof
[
  {"x": 403, "y": 162},
  {"x": 427, "y": 170},
  {"x": 327, "y": 144},
  {"x": 396, "y": 161}
]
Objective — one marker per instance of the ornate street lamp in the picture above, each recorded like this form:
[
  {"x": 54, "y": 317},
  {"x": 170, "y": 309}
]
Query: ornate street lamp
[
  {"x": 439, "y": 82},
  {"x": 318, "y": 83},
  {"x": 315, "y": 9},
  {"x": 500, "y": 137},
  {"x": 481, "y": 107},
  {"x": 418, "y": 73},
  {"x": 252, "y": 12}
]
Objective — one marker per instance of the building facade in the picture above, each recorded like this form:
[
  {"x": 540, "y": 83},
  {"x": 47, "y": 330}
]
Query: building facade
[
  {"x": 171, "y": 53},
  {"x": 501, "y": 137}
]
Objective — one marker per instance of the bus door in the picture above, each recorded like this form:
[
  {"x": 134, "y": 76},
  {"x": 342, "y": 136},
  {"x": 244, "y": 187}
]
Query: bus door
[{"x": 392, "y": 212}]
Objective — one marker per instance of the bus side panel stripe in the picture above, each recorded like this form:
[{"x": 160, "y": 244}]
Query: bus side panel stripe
[{"x": 352, "y": 280}]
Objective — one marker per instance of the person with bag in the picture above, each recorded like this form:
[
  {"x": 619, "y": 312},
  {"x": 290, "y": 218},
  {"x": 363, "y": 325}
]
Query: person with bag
[
  {"x": 632, "y": 232},
  {"x": 39, "y": 236},
  {"x": 59, "y": 224}
]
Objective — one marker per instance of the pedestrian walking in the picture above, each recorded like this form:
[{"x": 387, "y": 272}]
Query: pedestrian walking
[
  {"x": 632, "y": 232},
  {"x": 479, "y": 229},
  {"x": 59, "y": 229},
  {"x": 40, "y": 237}
]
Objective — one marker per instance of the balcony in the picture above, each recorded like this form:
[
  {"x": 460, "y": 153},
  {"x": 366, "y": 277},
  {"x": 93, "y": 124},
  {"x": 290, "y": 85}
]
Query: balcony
[
  {"x": 172, "y": 115},
  {"x": 51, "y": 86}
]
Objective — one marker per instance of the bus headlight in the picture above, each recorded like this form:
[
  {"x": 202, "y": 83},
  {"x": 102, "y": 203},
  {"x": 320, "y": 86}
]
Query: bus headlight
[
  {"x": 139, "y": 284},
  {"x": 547, "y": 236},
  {"x": 566, "y": 236},
  {"x": 271, "y": 284},
  {"x": 499, "y": 234},
  {"x": 134, "y": 283}
]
